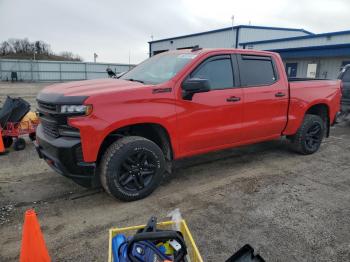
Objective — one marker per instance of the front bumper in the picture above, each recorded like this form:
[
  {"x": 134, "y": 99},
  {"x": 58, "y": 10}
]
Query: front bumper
[{"x": 64, "y": 155}]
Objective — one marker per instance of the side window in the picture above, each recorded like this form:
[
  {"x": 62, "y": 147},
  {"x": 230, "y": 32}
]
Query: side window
[
  {"x": 217, "y": 71},
  {"x": 257, "y": 70},
  {"x": 346, "y": 76}
]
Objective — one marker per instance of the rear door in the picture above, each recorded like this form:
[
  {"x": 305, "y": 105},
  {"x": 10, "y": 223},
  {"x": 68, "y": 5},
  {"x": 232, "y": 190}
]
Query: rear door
[
  {"x": 265, "y": 98},
  {"x": 212, "y": 119}
]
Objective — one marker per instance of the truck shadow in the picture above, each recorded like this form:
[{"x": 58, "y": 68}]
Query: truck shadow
[{"x": 237, "y": 156}]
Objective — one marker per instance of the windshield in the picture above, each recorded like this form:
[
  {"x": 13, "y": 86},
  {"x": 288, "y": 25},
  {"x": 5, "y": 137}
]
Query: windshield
[{"x": 159, "y": 68}]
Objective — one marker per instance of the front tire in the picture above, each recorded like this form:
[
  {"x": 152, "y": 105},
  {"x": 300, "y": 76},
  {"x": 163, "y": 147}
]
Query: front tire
[
  {"x": 309, "y": 136},
  {"x": 132, "y": 168}
]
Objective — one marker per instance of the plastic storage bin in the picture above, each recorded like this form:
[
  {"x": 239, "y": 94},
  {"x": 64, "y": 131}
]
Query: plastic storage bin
[{"x": 192, "y": 250}]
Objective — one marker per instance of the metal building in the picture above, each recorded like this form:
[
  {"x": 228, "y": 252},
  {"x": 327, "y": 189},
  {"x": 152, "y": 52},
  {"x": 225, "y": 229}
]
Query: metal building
[
  {"x": 305, "y": 54},
  {"x": 226, "y": 37},
  {"x": 40, "y": 70},
  {"x": 317, "y": 55}
]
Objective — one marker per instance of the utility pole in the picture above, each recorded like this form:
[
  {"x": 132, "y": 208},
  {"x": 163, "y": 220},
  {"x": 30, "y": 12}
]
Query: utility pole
[
  {"x": 233, "y": 19},
  {"x": 129, "y": 60},
  {"x": 95, "y": 56},
  {"x": 31, "y": 66}
]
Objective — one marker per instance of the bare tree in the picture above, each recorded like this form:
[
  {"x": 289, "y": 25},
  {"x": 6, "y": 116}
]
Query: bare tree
[
  {"x": 6, "y": 48},
  {"x": 37, "y": 46},
  {"x": 45, "y": 48},
  {"x": 23, "y": 48},
  {"x": 70, "y": 56},
  {"x": 66, "y": 54},
  {"x": 16, "y": 45},
  {"x": 77, "y": 58}
]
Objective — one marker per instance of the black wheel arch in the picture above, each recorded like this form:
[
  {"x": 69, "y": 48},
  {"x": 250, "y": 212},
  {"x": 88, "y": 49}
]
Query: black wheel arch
[{"x": 154, "y": 132}]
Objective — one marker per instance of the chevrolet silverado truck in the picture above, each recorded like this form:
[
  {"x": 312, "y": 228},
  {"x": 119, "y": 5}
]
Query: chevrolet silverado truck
[
  {"x": 125, "y": 133},
  {"x": 344, "y": 76}
]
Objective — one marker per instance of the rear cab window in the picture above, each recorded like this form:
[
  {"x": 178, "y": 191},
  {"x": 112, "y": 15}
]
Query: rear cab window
[{"x": 257, "y": 70}]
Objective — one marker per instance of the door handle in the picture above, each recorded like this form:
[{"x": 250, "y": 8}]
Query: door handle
[
  {"x": 233, "y": 99},
  {"x": 280, "y": 94}
]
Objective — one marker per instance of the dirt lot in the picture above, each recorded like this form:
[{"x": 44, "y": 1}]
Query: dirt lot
[{"x": 288, "y": 207}]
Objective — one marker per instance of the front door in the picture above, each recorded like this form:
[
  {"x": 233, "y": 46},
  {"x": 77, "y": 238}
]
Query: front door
[{"x": 212, "y": 119}]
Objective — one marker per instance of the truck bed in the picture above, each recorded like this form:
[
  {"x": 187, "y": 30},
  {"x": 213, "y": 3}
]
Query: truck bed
[{"x": 305, "y": 93}]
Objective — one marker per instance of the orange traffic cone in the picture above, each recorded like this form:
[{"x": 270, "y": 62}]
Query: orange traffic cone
[
  {"x": 2, "y": 147},
  {"x": 33, "y": 244}
]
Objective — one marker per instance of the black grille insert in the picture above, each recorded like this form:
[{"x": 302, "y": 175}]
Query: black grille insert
[
  {"x": 50, "y": 127},
  {"x": 47, "y": 106}
]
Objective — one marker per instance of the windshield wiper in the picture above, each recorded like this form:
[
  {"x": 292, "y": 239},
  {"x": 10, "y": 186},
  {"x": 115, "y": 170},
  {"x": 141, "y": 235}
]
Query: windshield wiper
[{"x": 135, "y": 80}]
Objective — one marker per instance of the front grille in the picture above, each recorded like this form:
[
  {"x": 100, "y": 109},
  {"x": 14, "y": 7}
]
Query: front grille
[
  {"x": 47, "y": 106},
  {"x": 50, "y": 127},
  {"x": 54, "y": 124},
  {"x": 50, "y": 118}
]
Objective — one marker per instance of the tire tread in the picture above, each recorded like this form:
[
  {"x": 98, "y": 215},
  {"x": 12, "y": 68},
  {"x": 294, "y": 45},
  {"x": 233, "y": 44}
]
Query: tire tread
[
  {"x": 106, "y": 159},
  {"x": 297, "y": 139}
]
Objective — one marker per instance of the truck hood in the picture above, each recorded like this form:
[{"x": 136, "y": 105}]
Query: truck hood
[{"x": 91, "y": 87}]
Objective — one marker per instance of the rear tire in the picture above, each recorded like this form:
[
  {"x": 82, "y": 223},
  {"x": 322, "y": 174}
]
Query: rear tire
[
  {"x": 20, "y": 144},
  {"x": 132, "y": 168},
  {"x": 309, "y": 136}
]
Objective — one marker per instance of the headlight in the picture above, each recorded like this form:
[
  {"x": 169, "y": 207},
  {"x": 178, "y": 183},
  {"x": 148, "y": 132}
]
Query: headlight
[{"x": 76, "y": 109}]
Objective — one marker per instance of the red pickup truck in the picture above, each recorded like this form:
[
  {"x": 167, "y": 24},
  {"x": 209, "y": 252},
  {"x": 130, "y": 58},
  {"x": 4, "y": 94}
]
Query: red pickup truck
[{"x": 126, "y": 132}]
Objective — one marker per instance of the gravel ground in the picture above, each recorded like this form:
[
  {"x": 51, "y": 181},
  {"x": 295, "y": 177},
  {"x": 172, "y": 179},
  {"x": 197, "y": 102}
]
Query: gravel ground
[{"x": 287, "y": 206}]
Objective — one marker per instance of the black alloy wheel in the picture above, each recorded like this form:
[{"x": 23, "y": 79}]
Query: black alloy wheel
[
  {"x": 137, "y": 170},
  {"x": 307, "y": 140},
  {"x": 132, "y": 168},
  {"x": 314, "y": 136}
]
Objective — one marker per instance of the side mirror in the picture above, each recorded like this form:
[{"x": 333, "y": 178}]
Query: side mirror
[{"x": 194, "y": 85}]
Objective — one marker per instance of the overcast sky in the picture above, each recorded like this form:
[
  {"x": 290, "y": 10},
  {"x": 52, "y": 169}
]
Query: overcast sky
[{"x": 113, "y": 28}]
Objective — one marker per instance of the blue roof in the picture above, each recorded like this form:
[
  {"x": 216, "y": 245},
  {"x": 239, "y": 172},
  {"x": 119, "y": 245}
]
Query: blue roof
[
  {"x": 315, "y": 51},
  {"x": 234, "y": 27},
  {"x": 297, "y": 37}
]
